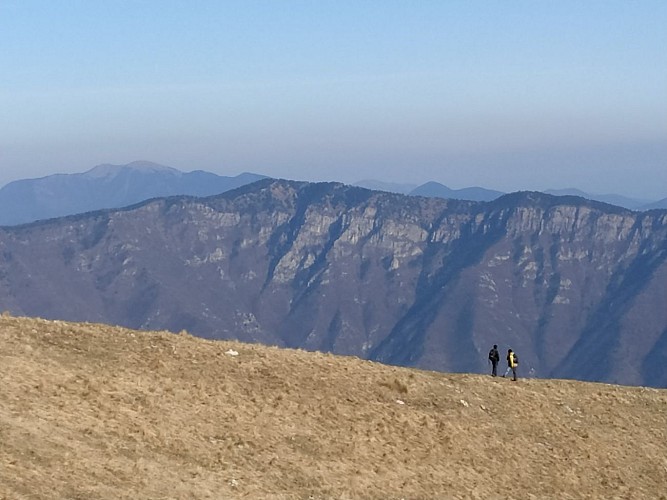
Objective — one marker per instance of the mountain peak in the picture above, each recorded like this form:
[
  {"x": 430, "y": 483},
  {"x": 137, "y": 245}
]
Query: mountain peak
[
  {"x": 109, "y": 170},
  {"x": 106, "y": 186}
]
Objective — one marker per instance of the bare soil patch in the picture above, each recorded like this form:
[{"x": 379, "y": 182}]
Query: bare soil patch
[{"x": 91, "y": 411}]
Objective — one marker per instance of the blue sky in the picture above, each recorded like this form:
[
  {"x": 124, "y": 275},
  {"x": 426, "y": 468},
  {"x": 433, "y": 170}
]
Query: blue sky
[{"x": 502, "y": 94}]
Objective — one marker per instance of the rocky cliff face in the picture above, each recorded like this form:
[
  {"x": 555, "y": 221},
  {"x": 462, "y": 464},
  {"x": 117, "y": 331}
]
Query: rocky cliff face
[{"x": 577, "y": 288}]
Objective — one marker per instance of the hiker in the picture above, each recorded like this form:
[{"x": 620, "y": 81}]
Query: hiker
[
  {"x": 512, "y": 362},
  {"x": 494, "y": 358}
]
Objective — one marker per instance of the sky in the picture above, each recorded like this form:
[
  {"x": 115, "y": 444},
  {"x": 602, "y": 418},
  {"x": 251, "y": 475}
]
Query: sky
[{"x": 507, "y": 94}]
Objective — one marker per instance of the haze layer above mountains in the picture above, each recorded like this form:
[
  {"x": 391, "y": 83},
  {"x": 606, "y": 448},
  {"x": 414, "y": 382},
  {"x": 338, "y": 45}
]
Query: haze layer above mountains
[{"x": 576, "y": 287}]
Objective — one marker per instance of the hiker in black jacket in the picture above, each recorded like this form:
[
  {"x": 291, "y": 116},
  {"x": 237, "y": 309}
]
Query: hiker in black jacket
[{"x": 494, "y": 358}]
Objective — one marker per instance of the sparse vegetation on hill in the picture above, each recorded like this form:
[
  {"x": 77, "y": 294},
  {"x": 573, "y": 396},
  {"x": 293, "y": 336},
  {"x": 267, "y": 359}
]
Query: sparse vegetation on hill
[{"x": 90, "y": 411}]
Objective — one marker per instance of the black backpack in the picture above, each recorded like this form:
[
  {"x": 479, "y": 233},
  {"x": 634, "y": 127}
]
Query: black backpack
[{"x": 493, "y": 355}]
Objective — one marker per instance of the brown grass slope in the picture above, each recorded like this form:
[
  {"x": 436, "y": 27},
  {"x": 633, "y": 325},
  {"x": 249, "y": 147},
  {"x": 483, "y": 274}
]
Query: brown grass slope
[{"x": 90, "y": 411}]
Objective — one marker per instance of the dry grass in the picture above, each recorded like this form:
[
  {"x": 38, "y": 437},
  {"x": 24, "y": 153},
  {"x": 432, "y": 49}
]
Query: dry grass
[{"x": 89, "y": 411}]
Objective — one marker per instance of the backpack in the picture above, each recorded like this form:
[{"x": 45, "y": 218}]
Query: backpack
[
  {"x": 516, "y": 360},
  {"x": 494, "y": 355}
]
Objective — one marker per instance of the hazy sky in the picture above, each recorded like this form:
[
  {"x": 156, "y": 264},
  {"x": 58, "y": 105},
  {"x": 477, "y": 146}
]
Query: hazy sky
[{"x": 502, "y": 94}]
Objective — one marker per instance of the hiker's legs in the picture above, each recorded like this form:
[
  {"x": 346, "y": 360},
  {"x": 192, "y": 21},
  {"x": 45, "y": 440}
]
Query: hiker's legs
[
  {"x": 494, "y": 370},
  {"x": 507, "y": 371},
  {"x": 513, "y": 373}
]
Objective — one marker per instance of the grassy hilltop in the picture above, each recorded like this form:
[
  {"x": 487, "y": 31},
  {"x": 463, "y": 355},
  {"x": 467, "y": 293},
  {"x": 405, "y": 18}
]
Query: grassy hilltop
[{"x": 91, "y": 411}]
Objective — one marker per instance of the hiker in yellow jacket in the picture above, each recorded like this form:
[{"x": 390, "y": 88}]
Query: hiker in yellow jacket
[{"x": 512, "y": 362}]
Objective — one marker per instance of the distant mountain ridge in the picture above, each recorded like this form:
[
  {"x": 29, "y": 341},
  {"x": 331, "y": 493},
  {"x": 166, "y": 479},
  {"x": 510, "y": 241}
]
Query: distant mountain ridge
[
  {"x": 437, "y": 190},
  {"x": 106, "y": 186},
  {"x": 612, "y": 199},
  {"x": 658, "y": 205},
  {"x": 432, "y": 189},
  {"x": 116, "y": 186}
]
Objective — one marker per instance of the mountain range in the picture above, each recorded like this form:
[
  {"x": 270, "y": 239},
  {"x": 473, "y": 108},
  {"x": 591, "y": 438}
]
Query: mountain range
[
  {"x": 432, "y": 189},
  {"x": 106, "y": 186},
  {"x": 576, "y": 287},
  {"x": 117, "y": 186},
  {"x": 436, "y": 190}
]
